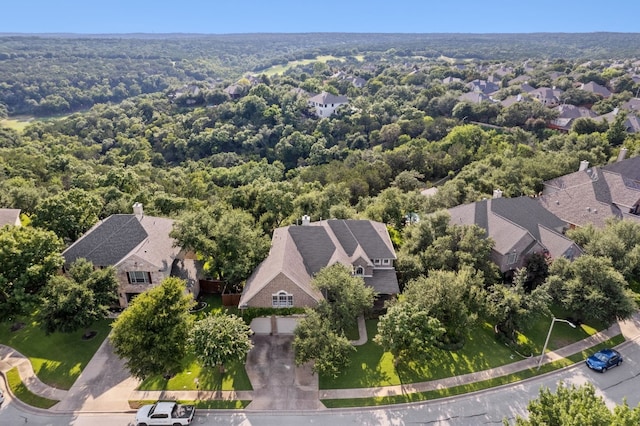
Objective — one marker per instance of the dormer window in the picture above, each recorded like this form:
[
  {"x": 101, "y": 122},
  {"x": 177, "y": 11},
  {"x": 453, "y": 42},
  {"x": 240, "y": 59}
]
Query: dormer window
[{"x": 376, "y": 261}]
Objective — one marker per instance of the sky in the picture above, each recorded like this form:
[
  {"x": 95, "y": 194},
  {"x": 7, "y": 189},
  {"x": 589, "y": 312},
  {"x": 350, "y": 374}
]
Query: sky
[{"x": 304, "y": 16}]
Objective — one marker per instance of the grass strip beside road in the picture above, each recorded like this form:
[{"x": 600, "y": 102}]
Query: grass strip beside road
[
  {"x": 471, "y": 387},
  {"x": 214, "y": 404},
  {"x": 20, "y": 391}
]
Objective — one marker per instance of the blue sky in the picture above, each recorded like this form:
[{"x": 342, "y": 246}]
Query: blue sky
[{"x": 293, "y": 16}]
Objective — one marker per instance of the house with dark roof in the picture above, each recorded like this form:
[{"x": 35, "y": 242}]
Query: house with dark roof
[
  {"x": 548, "y": 96},
  {"x": 567, "y": 114},
  {"x": 519, "y": 227},
  {"x": 483, "y": 86},
  {"x": 631, "y": 121},
  {"x": 592, "y": 195},
  {"x": 284, "y": 278},
  {"x": 474, "y": 97},
  {"x": 596, "y": 88},
  {"x": 326, "y": 103},
  {"x": 140, "y": 249},
  {"x": 10, "y": 217}
]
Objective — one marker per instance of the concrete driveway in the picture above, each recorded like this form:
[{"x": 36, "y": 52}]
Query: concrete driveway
[{"x": 277, "y": 383}]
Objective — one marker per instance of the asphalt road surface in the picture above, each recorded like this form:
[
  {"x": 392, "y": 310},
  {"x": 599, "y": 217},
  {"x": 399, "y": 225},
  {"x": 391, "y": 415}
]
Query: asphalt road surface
[{"x": 481, "y": 408}]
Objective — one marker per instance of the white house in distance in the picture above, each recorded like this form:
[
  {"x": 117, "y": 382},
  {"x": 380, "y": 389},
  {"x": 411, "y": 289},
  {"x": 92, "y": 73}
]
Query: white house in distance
[{"x": 326, "y": 103}]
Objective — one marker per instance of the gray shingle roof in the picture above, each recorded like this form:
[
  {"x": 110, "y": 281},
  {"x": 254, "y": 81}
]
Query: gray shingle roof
[
  {"x": 328, "y": 98},
  {"x": 299, "y": 252},
  {"x": 595, "y": 194},
  {"x": 515, "y": 222},
  {"x": 122, "y": 235}
]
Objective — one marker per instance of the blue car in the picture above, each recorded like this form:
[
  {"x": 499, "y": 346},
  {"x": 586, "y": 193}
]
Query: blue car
[{"x": 604, "y": 359}]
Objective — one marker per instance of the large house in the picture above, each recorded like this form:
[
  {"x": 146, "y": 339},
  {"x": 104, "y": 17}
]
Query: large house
[
  {"x": 326, "y": 103},
  {"x": 140, "y": 249},
  {"x": 594, "y": 194},
  {"x": 297, "y": 253},
  {"x": 519, "y": 227}
]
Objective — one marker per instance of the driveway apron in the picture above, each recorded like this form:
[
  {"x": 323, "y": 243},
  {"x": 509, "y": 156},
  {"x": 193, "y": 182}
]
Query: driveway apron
[{"x": 277, "y": 382}]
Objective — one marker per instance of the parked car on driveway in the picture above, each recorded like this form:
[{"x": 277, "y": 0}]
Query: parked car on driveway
[{"x": 603, "y": 360}]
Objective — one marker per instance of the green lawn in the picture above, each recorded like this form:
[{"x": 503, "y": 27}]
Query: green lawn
[
  {"x": 372, "y": 367},
  {"x": 58, "y": 358},
  {"x": 280, "y": 69},
  {"x": 234, "y": 378},
  {"x": 471, "y": 387}
]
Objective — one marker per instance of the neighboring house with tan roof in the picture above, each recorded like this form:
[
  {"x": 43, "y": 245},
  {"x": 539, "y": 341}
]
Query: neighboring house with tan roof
[
  {"x": 593, "y": 195},
  {"x": 326, "y": 103},
  {"x": 140, "y": 249},
  {"x": 284, "y": 278},
  {"x": 519, "y": 227},
  {"x": 10, "y": 217}
]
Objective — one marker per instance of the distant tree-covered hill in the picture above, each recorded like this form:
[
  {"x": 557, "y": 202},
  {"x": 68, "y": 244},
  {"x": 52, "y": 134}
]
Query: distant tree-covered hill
[{"x": 58, "y": 73}]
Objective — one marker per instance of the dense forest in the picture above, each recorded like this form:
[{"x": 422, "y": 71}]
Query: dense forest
[
  {"x": 44, "y": 75},
  {"x": 200, "y": 129}
]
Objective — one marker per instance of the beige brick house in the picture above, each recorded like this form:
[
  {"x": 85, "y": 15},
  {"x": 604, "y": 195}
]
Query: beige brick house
[
  {"x": 140, "y": 249},
  {"x": 297, "y": 253}
]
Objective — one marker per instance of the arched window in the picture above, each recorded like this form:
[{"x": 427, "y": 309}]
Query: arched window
[
  {"x": 359, "y": 271},
  {"x": 282, "y": 299}
]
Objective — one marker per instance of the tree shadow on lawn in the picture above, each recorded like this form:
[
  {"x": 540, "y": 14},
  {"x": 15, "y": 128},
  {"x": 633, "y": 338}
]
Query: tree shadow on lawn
[
  {"x": 194, "y": 377},
  {"x": 481, "y": 351},
  {"x": 57, "y": 358}
]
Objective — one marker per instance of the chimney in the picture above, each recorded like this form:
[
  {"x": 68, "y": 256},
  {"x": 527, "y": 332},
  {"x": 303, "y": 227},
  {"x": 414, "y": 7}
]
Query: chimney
[
  {"x": 497, "y": 193},
  {"x": 137, "y": 209},
  {"x": 584, "y": 165},
  {"x": 622, "y": 154},
  {"x": 305, "y": 220}
]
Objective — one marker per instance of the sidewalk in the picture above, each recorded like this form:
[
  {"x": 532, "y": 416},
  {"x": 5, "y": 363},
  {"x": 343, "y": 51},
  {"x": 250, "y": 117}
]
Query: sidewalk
[
  {"x": 10, "y": 358},
  {"x": 95, "y": 391}
]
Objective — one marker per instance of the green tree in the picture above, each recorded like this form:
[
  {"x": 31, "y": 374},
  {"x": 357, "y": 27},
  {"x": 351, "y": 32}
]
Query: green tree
[
  {"x": 151, "y": 334},
  {"x": 617, "y": 132},
  {"x": 317, "y": 340},
  {"x": 219, "y": 339},
  {"x": 28, "y": 258},
  {"x": 228, "y": 239},
  {"x": 69, "y": 214},
  {"x": 512, "y": 308},
  {"x": 346, "y": 296},
  {"x": 456, "y": 299},
  {"x": 69, "y": 304},
  {"x": 576, "y": 406},
  {"x": 591, "y": 288},
  {"x": 66, "y": 306},
  {"x": 408, "y": 332}
]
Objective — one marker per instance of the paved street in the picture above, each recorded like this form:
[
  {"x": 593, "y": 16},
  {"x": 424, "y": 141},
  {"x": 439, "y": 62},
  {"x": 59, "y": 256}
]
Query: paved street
[{"x": 487, "y": 407}]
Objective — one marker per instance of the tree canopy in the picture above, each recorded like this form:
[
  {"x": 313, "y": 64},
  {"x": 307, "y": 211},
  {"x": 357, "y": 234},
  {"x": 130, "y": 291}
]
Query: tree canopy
[{"x": 151, "y": 334}]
